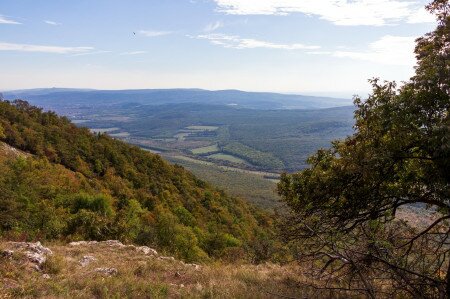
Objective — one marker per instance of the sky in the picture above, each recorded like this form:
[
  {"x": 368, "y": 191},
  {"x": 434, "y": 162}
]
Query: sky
[{"x": 319, "y": 47}]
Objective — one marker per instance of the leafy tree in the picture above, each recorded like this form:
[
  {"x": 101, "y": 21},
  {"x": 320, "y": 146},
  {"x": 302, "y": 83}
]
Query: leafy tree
[
  {"x": 131, "y": 220},
  {"x": 345, "y": 207},
  {"x": 9, "y": 210},
  {"x": 99, "y": 204}
]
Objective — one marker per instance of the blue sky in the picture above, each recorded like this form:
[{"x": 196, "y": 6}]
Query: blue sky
[{"x": 327, "y": 47}]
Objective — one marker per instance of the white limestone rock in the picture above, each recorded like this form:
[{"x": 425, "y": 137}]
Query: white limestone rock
[{"x": 86, "y": 260}]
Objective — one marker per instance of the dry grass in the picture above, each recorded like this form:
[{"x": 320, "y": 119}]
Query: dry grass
[{"x": 144, "y": 276}]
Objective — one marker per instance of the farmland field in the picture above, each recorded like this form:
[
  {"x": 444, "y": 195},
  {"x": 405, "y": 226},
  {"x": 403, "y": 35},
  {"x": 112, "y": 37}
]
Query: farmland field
[
  {"x": 254, "y": 136},
  {"x": 267, "y": 140},
  {"x": 228, "y": 158},
  {"x": 202, "y": 128},
  {"x": 249, "y": 185},
  {"x": 181, "y": 136},
  {"x": 253, "y": 156},
  {"x": 205, "y": 150}
]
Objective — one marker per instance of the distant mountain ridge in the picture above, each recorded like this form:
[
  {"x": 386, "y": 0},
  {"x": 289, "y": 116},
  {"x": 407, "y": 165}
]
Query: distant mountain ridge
[{"x": 236, "y": 98}]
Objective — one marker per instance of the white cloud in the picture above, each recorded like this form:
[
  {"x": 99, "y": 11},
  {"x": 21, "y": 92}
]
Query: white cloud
[
  {"x": 390, "y": 50},
  {"x": 236, "y": 42},
  {"x": 43, "y": 48},
  {"x": 213, "y": 26},
  {"x": 133, "y": 53},
  {"x": 319, "y": 52},
  {"x": 90, "y": 53},
  {"x": 420, "y": 16},
  {"x": 154, "y": 33},
  {"x": 339, "y": 12},
  {"x": 5, "y": 20},
  {"x": 53, "y": 23}
]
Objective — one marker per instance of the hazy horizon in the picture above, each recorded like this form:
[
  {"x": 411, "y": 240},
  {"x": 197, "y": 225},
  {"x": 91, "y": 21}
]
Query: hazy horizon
[
  {"x": 314, "y": 94},
  {"x": 303, "y": 47}
]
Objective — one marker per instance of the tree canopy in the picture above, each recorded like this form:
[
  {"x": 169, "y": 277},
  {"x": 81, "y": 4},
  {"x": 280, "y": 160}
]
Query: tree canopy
[{"x": 398, "y": 157}]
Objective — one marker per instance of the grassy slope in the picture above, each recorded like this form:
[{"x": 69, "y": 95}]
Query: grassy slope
[{"x": 142, "y": 276}]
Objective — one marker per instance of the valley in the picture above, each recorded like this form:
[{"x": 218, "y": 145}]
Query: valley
[
  {"x": 233, "y": 147},
  {"x": 225, "y": 149}
]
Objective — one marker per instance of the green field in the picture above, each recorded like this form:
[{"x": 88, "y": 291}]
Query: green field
[
  {"x": 229, "y": 158},
  {"x": 248, "y": 185},
  {"x": 263, "y": 174},
  {"x": 253, "y": 156},
  {"x": 205, "y": 150}
]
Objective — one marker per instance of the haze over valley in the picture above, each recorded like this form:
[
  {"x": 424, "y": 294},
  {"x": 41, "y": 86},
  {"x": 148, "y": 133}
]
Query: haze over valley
[{"x": 224, "y": 137}]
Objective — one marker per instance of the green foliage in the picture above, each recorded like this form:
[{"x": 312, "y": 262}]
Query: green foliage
[
  {"x": 253, "y": 187},
  {"x": 184, "y": 216},
  {"x": 399, "y": 153},
  {"x": 289, "y": 136},
  {"x": 255, "y": 157},
  {"x": 79, "y": 185},
  {"x": 187, "y": 245},
  {"x": 398, "y": 156},
  {"x": 99, "y": 204}
]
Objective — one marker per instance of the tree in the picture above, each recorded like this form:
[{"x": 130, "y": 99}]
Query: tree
[{"x": 346, "y": 206}]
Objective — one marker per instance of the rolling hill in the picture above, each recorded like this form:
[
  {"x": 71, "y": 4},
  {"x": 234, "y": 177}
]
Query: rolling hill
[{"x": 59, "y": 181}]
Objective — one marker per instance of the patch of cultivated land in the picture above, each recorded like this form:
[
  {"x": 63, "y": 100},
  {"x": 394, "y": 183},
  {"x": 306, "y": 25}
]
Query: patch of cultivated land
[
  {"x": 181, "y": 136},
  {"x": 121, "y": 134},
  {"x": 229, "y": 158},
  {"x": 79, "y": 121},
  {"x": 202, "y": 128},
  {"x": 270, "y": 175},
  {"x": 205, "y": 150},
  {"x": 250, "y": 185},
  {"x": 113, "y": 270}
]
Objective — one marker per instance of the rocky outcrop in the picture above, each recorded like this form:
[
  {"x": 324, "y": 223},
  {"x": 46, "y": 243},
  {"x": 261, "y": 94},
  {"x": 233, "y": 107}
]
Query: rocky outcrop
[
  {"x": 146, "y": 250},
  {"x": 115, "y": 243},
  {"x": 195, "y": 266},
  {"x": 86, "y": 260},
  {"x": 35, "y": 252},
  {"x": 9, "y": 151},
  {"x": 82, "y": 243},
  {"x": 166, "y": 258},
  {"x": 7, "y": 253}
]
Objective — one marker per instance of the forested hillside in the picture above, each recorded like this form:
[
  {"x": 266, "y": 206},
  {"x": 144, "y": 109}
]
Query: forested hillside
[{"x": 75, "y": 185}]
